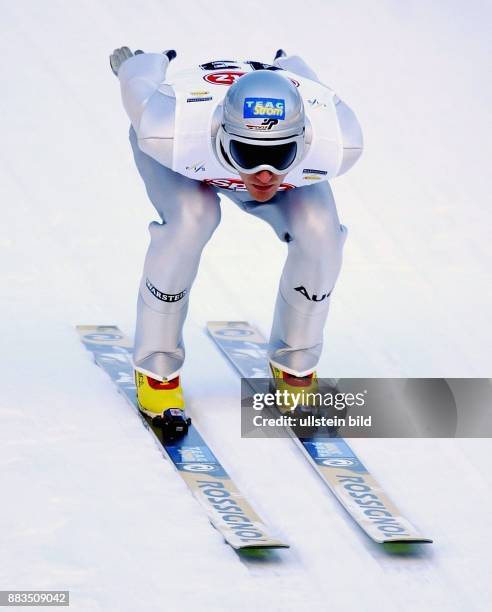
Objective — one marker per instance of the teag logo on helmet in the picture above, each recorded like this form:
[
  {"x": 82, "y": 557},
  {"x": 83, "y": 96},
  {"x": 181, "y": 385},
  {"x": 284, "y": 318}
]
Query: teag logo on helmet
[{"x": 257, "y": 108}]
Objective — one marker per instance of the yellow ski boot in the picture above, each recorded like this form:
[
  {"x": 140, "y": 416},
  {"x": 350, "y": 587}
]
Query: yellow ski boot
[
  {"x": 298, "y": 392},
  {"x": 163, "y": 403}
]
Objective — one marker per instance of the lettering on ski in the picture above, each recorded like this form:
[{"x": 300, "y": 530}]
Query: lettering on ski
[
  {"x": 358, "y": 491},
  {"x": 232, "y": 513},
  {"x": 333, "y": 459},
  {"x": 227, "y": 509}
]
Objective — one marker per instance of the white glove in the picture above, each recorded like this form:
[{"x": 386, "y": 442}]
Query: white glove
[{"x": 119, "y": 56}]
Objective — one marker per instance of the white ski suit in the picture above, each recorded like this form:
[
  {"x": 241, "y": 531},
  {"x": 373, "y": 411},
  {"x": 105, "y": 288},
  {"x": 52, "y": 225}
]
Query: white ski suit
[{"x": 174, "y": 124}]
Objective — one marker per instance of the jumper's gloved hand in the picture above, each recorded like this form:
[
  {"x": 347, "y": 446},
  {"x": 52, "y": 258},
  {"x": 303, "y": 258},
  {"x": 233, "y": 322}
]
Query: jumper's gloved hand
[
  {"x": 119, "y": 56},
  {"x": 123, "y": 53}
]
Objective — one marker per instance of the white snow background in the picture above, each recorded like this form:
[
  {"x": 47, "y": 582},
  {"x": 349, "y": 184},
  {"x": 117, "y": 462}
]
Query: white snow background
[{"x": 87, "y": 502}]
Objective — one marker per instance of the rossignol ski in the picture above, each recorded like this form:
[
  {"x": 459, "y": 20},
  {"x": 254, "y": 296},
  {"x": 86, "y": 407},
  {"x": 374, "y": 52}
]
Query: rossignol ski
[
  {"x": 333, "y": 459},
  {"x": 229, "y": 512}
]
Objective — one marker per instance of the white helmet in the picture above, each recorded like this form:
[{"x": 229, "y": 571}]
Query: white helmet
[{"x": 263, "y": 124}]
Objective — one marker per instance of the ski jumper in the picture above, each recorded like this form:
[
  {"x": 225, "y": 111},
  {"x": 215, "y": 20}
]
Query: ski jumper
[{"x": 174, "y": 124}]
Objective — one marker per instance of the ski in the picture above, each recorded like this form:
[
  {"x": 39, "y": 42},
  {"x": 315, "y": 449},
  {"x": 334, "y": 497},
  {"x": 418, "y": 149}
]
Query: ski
[
  {"x": 227, "y": 509},
  {"x": 332, "y": 458}
]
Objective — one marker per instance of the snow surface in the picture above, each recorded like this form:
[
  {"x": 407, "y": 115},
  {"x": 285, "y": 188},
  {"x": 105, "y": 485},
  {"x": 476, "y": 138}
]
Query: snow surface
[{"x": 87, "y": 502}]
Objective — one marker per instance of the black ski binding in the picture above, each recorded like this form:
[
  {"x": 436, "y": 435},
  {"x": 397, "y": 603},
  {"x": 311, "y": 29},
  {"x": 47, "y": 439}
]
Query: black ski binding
[{"x": 173, "y": 423}]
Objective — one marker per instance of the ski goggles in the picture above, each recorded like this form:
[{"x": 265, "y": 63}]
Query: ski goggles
[{"x": 250, "y": 155}]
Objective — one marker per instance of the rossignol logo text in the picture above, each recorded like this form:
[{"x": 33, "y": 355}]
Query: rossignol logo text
[
  {"x": 371, "y": 506},
  {"x": 230, "y": 511},
  {"x": 165, "y": 297}
]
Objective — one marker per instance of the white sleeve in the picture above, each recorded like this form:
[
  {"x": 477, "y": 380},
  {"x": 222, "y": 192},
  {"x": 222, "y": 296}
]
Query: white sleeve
[
  {"x": 294, "y": 63},
  {"x": 350, "y": 133},
  {"x": 140, "y": 76}
]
